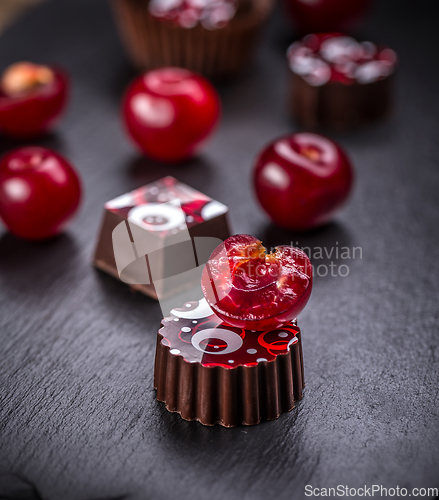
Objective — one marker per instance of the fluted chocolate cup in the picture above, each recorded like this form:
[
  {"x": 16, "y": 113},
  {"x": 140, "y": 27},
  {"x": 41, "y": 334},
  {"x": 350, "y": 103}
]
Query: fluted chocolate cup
[
  {"x": 338, "y": 82},
  {"x": 214, "y": 373},
  {"x": 152, "y": 42},
  {"x": 340, "y": 107}
]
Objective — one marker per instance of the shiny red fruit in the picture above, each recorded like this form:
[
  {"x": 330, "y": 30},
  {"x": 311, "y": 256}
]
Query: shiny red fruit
[
  {"x": 327, "y": 15},
  {"x": 169, "y": 112},
  {"x": 302, "y": 179},
  {"x": 32, "y": 98},
  {"x": 248, "y": 288},
  {"x": 39, "y": 192}
]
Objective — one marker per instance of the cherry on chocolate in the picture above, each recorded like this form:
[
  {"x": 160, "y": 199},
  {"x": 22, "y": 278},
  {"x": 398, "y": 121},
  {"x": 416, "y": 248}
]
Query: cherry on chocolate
[
  {"x": 169, "y": 112},
  {"x": 327, "y": 15},
  {"x": 249, "y": 288},
  {"x": 32, "y": 98},
  {"x": 301, "y": 180},
  {"x": 39, "y": 192}
]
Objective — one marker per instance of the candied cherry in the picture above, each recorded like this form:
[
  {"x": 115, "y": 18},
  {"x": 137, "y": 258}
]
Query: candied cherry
[
  {"x": 39, "y": 192},
  {"x": 169, "y": 112},
  {"x": 252, "y": 289},
  {"x": 327, "y": 15},
  {"x": 32, "y": 98},
  {"x": 301, "y": 180}
]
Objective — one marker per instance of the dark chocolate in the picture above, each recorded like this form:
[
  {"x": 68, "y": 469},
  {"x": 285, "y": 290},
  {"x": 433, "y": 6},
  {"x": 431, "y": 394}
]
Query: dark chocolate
[
  {"x": 170, "y": 220},
  {"x": 214, "y": 373},
  {"x": 152, "y": 42},
  {"x": 339, "y": 83}
]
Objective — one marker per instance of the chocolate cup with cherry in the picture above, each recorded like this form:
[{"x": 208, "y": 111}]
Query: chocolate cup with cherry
[
  {"x": 340, "y": 87},
  {"x": 152, "y": 42},
  {"x": 214, "y": 373},
  {"x": 235, "y": 357}
]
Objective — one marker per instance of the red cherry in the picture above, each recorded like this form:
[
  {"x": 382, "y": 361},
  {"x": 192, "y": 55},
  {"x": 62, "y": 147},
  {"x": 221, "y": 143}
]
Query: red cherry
[
  {"x": 39, "y": 192},
  {"x": 248, "y": 288},
  {"x": 302, "y": 179},
  {"x": 169, "y": 112},
  {"x": 32, "y": 98},
  {"x": 327, "y": 15}
]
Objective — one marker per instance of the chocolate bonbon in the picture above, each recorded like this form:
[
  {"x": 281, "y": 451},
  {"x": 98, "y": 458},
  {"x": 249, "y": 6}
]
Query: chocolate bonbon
[
  {"x": 338, "y": 82},
  {"x": 215, "y": 38},
  {"x": 209, "y": 371},
  {"x": 153, "y": 237}
]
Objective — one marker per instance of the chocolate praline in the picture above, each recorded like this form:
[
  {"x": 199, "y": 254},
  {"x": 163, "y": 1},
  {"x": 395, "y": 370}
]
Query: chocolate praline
[
  {"x": 338, "y": 82},
  {"x": 208, "y": 371}
]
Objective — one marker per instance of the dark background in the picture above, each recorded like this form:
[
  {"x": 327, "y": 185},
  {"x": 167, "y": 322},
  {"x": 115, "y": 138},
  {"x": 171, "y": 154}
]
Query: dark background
[{"x": 78, "y": 414}]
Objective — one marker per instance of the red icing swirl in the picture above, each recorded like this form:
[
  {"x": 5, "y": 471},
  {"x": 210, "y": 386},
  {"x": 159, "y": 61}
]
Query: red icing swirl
[{"x": 199, "y": 336}]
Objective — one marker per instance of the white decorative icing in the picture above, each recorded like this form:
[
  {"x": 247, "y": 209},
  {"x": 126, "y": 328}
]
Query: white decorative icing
[
  {"x": 293, "y": 341},
  {"x": 167, "y": 217},
  {"x": 232, "y": 339},
  {"x": 203, "y": 310},
  {"x": 211, "y": 14},
  {"x": 339, "y": 49},
  {"x": 213, "y": 209},
  {"x": 371, "y": 71},
  {"x": 125, "y": 200}
]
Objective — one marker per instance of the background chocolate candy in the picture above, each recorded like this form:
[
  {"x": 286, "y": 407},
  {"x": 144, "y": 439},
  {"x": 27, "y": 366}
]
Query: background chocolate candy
[
  {"x": 213, "y": 38},
  {"x": 157, "y": 237},
  {"x": 338, "y": 82},
  {"x": 212, "y": 372}
]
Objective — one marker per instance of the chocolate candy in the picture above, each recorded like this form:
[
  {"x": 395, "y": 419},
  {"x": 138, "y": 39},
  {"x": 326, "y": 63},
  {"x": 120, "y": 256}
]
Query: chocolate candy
[
  {"x": 338, "y": 82},
  {"x": 209, "y": 371},
  {"x": 157, "y": 237},
  {"x": 212, "y": 14}
]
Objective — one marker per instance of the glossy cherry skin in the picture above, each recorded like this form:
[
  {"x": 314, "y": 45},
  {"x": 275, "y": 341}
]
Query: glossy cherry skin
[
  {"x": 39, "y": 192},
  {"x": 301, "y": 180},
  {"x": 327, "y": 15},
  {"x": 36, "y": 112},
  {"x": 249, "y": 288},
  {"x": 169, "y": 112}
]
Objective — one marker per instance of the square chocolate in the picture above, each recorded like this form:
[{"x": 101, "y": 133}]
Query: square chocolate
[{"x": 156, "y": 237}]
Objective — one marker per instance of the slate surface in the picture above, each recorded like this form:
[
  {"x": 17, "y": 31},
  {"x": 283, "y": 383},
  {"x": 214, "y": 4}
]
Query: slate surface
[{"x": 78, "y": 415}]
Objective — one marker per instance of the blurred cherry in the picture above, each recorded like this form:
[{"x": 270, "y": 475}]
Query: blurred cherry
[
  {"x": 32, "y": 98},
  {"x": 302, "y": 179},
  {"x": 39, "y": 192},
  {"x": 169, "y": 112}
]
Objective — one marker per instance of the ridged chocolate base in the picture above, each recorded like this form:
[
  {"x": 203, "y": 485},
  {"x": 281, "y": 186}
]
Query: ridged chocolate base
[
  {"x": 153, "y": 43},
  {"x": 229, "y": 396},
  {"x": 339, "y": 106}
]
